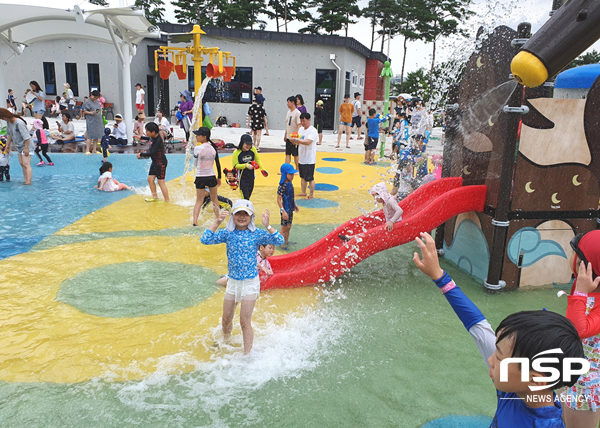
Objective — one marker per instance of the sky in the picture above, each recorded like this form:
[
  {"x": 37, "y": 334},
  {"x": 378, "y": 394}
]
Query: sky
[{"x": 489, "y": 14}]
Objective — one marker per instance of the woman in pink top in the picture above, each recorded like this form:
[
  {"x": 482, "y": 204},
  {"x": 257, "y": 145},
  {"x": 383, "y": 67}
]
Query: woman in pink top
[{"x": 205, "y": 157}]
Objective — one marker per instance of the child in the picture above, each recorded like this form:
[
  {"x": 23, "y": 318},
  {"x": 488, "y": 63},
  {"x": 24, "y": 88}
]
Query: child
[
  {"x": 285, "y": 200},
  {"x": 206, "y": 156},
  {"x": 372, "y": 135},
  {"x": 242, "y": 239},
  {"x": 262, "y": 263},
  {"x": 391, "y": 209},
  {"x": 4, "y": 164},
  {"x": 158, "y": 168},
  {"x": 106, "y": 182},
  {"x": 244, "y": 159},
  {"x": 55, "y": 107},
  {"x": 42, "y": 142},
  {"x": 105, "y": 144},
  {"x": 401, "y": 134},
  {"x": 11, "y": 105},
  {"x": 585, "y": 315},
  {"x": 522, "y": 404}
]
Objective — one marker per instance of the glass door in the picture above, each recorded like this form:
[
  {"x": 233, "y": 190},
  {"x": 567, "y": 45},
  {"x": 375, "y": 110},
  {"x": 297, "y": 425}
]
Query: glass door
[{"x": 325, "y": 91}]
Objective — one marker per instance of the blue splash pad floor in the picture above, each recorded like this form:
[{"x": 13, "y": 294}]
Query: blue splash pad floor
[{"x": 61, "y": 194}]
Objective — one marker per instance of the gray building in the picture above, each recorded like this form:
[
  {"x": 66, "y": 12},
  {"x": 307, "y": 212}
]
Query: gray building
[{"x": 283, "y": 64}]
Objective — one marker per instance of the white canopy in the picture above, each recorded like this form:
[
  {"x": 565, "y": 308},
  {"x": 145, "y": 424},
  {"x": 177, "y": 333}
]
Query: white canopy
[{"x": 125, "y": 27}]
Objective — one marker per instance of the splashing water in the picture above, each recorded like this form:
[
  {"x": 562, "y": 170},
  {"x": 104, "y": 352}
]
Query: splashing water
[
  {"x": 196, "y": 123},
  {"x": 486, "y": 108}
]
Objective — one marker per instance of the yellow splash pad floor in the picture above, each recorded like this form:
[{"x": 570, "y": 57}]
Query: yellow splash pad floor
[{"x": 44, "y": 338}]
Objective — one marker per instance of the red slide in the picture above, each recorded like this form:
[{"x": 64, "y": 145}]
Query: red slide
[{"x": 424, "y": 209}]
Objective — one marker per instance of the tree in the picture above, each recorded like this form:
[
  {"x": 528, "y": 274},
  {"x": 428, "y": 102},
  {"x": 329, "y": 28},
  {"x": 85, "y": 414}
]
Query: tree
[
  {"x": 413, "y": 19},
  {"x": 286, "y": 11},
  {"x": 333, "y": 15},
  {"x": 592, "y": 57},
  {"x": 416, "y": 83},
  {"x": 240, "y": 13},
  {"x": 201, "y": 12},
  {"x": 443, "y": 20},
  {"x": 153, "y": 9}
]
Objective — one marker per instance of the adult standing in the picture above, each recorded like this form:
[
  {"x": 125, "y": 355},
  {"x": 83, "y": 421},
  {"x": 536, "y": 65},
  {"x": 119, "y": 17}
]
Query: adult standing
[
  {"x": 261, "y": 100},
  {"x": 69, "y": 99},
  {"x": 346, "y": 109},
  {"x": 307, "y": 150},
  {"x": 17, "y": 133},
  {"x": 319, "y": 120},
  {"x": 39, "y": 102},
  {"x": 256, "y": 117},
  {"x": 300, "y": 104},
  {"x": 66, "y": 130},
  {"x": 92, "y": 111},
  {"x": 186, "y": 108},
  {"x": 357, "y": 115},
  {"x": 292, "y": 123},
  {"x": 140, "y": 98}
]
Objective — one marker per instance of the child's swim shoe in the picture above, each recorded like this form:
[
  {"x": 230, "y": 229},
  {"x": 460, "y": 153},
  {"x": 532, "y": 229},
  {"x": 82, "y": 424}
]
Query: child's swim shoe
[
  {"x": 151, "y": 200},
  {"x": 344, "y": 237},
  {"x": 87, "y": 153},
  {"x": 51, "y": 164},
  {"x": 264, "y": 173},
  {"x": 41, "y": 163}
]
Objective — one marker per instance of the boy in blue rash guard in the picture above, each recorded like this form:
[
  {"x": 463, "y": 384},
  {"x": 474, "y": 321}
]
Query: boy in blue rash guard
[
  {"x": 373, "y": 135},
  {"x": 242, "y": 239},
  {"x": 520, "y": 335}
]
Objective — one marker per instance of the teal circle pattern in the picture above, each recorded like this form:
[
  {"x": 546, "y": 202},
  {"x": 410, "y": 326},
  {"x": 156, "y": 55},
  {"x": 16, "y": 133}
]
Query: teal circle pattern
[
  {"x": 138, "y": 289},
  {"x": 316, "y": 203},
  {"x": 324, "y": 187},
  {"x": 329, "y": 170},
  {"x": 334, "y": 159}
]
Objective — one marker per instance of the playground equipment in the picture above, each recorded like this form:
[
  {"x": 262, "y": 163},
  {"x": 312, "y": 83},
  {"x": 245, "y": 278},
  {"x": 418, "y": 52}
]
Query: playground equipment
[
  {"x": 386, "y": 73},
  {"x": 215, "y": 68},
  {"x": 571, "y": 30},
  {"x": 330, "y": 257},
  {"x": 537, "y": 201}
]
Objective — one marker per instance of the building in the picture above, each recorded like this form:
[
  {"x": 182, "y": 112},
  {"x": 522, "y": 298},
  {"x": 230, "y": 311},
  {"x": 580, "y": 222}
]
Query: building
[{"x": 283, "y": 64}]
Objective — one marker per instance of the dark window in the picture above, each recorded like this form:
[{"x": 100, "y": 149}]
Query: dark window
[
  {"x": 347, "y": 75},
  {"x": 94, "y": 77},
  {"x": 49, "y": 78},
  {"x": 71, "y": 73},
  {"x": 239, "y": 90}
]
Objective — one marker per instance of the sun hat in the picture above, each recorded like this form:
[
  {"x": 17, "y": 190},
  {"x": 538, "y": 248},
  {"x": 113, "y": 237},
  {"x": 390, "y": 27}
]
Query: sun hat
[
  {"x": 66, "y": 85},
  {"x": 118, "y": 116},
  {"x": 319, "y": 103},
  {"x": 246, "y": 139},
  {"x": 187, "y": 94},
  {"x": 141, "y": 116},
  {"x": 38, "y": 124},
  {"x": 242, "y": 205},
  {"x": 286, "y": 169}
]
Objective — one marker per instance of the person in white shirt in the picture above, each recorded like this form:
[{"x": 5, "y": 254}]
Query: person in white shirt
[
  {"x": 357, "y": 115},
  {"x": 118, "y": 132},
  {"x": 140, "y": 96},
  {"x": 70, "y": 100},
  {"x": 66, "y": 129},
  {"x": 307, "y": 154},
  {"x": 164, "y": 126}
]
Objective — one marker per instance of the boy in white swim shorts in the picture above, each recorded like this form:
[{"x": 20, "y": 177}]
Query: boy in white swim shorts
[{"x": 242, "y": 239}]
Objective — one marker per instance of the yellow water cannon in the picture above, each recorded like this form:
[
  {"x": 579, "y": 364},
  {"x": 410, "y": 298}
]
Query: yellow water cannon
[{"x": 572, "y": 29}]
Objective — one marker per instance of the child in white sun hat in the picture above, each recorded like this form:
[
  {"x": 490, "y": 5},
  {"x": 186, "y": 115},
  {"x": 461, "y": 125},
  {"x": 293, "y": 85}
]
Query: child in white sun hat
[{"x": 242, "y": 239}]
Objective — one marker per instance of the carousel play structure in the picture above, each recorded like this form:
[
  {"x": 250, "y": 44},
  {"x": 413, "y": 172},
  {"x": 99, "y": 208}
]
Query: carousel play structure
[{"x": 538, "y": 156}]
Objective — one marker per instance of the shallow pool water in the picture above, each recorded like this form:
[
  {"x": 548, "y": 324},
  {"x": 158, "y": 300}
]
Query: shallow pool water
[{"x": 114, "y": 340}]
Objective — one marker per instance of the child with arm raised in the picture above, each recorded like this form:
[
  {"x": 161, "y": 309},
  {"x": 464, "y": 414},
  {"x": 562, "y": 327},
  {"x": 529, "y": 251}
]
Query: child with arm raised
[{"x": 527, "y": 403}]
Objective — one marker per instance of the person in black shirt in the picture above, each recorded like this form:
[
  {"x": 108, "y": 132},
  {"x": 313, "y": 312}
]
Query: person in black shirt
[{"x": 158, "y": 168}]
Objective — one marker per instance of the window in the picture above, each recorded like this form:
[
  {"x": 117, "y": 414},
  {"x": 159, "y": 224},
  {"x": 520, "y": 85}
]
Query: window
[
  {"x": 354, "y": 79},
  {"x": 71, "y": 74},
  {"x": 347, "y": 75},
  {"x": 362, "y": 80},
  {"x": 49, "y": 78},
  {"x": 94, "y": 77},
  {"x": 239, "y": 90}
]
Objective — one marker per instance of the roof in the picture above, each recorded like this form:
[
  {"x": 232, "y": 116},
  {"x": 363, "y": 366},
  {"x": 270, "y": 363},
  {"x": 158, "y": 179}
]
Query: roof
[
  {"x": 581, "y": 77},
  {"x": 275, "y": 36},
  {"x": 23, "y": 25}
]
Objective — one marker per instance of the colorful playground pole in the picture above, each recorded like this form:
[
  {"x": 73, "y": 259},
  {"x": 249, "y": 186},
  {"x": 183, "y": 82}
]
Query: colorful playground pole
[{"x": 386, "y": 73}]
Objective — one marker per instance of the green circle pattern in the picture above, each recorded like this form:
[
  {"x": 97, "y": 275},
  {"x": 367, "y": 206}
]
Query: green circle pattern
[{"x": 138, "y": 289}]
